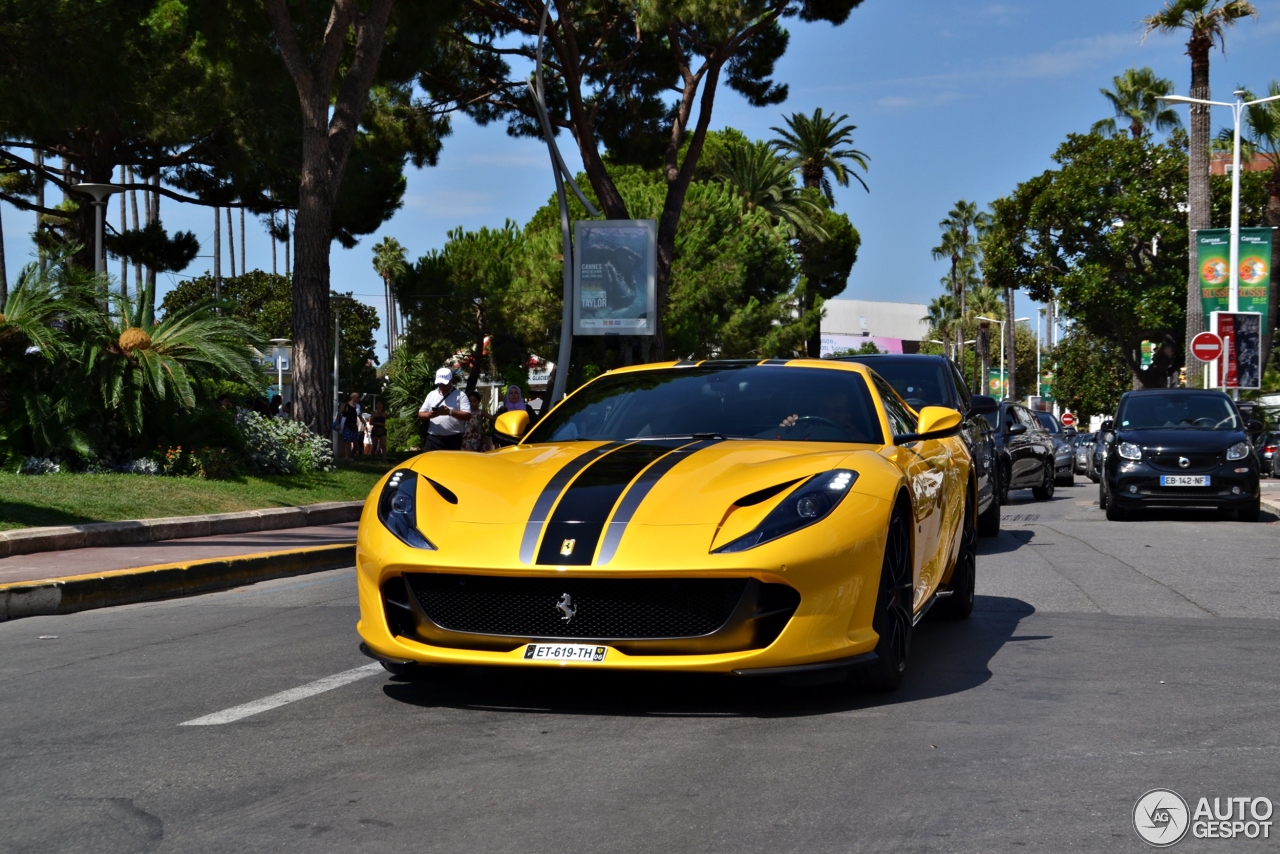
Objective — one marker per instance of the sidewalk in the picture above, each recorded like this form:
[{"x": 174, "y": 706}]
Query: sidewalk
[
  {"x": 64, "y": 581},
  {"x": 73, "y": 562}
]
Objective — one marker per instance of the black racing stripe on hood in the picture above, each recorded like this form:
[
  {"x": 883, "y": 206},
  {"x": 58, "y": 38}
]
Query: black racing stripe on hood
[
  {"x": 637, "y": 493},
  {"x": 586, "y": 504},
  {"x": 550, "y": 492}
]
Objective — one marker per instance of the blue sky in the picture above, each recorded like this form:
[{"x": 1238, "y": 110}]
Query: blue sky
[{"x": 952, "y": 100}]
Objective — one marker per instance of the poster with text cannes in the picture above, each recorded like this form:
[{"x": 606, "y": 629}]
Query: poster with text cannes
[{"x": 615, "y": 264}]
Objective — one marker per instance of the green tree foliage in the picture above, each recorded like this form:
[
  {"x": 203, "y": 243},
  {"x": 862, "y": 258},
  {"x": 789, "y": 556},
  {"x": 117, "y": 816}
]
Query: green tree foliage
[
  {"x": 264, "y": 302},
  {"x": 813, "y": 145},
  {"x": 1113, "y": 259},
  {"x": 637, "y": 80},
  {"x": 1090, "y": 375},
  {"x": 1135, "y": 100}
]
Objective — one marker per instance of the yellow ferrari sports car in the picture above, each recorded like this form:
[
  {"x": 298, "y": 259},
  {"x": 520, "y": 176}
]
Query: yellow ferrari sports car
[{"x": 746, "y": 517}]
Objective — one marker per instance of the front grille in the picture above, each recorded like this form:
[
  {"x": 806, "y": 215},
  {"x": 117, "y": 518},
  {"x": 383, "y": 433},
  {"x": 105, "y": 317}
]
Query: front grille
[
  {"x": 604, "y": 608},
  {"x": 1198, "y": 462}
]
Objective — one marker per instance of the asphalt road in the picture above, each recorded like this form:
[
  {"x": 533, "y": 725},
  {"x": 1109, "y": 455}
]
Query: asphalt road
[{"x": 1103, "y": 660}]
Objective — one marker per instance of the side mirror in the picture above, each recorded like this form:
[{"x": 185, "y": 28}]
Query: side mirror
[
  {"x": 936, "y": 422},
  {"x": 1108, "y": 426},
  {"x": 1015, "y": 429},
  {"x": 1255, "y": 426},
  {"x": 983, "y": 405},
  {"x": 512, "y": 425}
]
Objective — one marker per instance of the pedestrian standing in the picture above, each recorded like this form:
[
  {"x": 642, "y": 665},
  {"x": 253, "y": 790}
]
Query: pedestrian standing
[
  {"x": 446, "y": 411},
  {"x": 513, "y": 401},
  {"x": 378, "y": 424},
  {"x": 476, "y": 435},
  {"x": 349, "y": 423}
]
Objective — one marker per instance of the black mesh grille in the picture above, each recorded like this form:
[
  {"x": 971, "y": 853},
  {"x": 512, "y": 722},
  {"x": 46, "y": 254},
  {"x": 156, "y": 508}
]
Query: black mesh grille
[{"x": 604, "y": 608}]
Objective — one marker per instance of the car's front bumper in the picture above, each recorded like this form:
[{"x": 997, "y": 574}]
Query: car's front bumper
[
  {"x": 1133, "y": 485},
  {"x": 835, "y": 578}
]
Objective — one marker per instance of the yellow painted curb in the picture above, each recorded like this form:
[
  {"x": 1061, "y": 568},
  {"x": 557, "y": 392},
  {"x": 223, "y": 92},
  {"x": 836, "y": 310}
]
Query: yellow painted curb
[{"x": 73, "y": 593}]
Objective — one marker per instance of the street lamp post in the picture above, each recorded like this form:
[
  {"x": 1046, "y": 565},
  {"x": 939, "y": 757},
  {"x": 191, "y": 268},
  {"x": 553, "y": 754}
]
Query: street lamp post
[
  {"x": 280, "y": 343},
  {"x": 100, "y": 192},
  {"x": 1004, "y": 381},
  {"x": 336, "y": 302},
  {"x": 1237, "y": 109}
]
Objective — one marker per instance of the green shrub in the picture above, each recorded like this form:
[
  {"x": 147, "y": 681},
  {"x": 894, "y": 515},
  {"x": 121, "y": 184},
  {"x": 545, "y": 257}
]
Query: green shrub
[
  {"x": 282, "y": 446},
  {"x": 402, "y": 435}
]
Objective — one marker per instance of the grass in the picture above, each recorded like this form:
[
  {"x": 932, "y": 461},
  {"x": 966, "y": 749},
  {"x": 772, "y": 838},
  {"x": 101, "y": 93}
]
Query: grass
[{"x": 72, "y": 499}]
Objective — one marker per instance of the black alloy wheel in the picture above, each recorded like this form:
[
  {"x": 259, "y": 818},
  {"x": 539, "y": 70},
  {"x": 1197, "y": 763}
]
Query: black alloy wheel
[
  {"x": 1044, "y": 491},
  {"x": 1115, "y": 513},
  {"x": 1005, "y": 476},
  {"x": 959, "y": 605},
  {"x": 895, "y": 612}
]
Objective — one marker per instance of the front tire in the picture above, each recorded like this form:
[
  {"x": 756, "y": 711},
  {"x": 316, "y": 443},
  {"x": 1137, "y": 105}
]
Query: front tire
[
  {"x": 894, "y": 613},
  {"x": 1045, "y": 491},
  {"x": 1251, "y": 511}
]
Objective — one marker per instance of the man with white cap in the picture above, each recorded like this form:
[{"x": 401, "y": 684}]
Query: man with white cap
[{"x": 446, "y": 411}]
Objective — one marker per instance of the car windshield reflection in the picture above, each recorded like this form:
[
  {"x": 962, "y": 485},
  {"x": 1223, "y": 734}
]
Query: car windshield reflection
[{"x": 711, "y": 402}]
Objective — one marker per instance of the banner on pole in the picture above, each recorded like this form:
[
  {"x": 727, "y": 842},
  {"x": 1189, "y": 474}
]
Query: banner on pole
[
  {"x": 1213, "y": 259},
  {"x": 1241, "y": 363},
  {"x": 614, "y": 273},
  {"x": 997, "y": 386}
]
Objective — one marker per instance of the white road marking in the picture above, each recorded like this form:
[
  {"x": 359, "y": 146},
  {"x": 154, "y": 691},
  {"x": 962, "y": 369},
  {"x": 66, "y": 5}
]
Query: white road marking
[{"x": 319, "y": 686}]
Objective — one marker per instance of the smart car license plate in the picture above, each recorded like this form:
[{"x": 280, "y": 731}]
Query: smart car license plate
[
  {"x": 586, "y": 653},
  {"x": 1184, "y": 480}
]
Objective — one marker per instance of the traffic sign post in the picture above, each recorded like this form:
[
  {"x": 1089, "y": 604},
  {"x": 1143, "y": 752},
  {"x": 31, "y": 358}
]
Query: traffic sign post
[{"x": 1206, "y": 347}]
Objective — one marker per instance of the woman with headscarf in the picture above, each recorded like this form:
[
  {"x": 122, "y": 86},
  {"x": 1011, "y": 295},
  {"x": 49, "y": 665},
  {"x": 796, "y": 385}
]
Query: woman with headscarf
[{"x": 513, "y": 401}]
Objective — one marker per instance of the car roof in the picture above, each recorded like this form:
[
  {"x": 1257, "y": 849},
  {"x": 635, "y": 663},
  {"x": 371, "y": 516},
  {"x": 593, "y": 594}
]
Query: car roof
[{"x": 731, "y": 364}]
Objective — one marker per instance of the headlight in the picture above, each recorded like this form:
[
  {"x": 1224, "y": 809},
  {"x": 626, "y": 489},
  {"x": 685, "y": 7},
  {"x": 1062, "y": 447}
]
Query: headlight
[
  {"x": 808, "y": 503},
  {"x": 1129, "y": 451},
  {"x": 398, "y": 508},
  {"x": 1239, "y": 451}
]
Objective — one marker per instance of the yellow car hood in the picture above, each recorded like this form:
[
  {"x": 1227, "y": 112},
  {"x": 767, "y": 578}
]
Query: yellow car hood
[{"x": 591, "y": 493}]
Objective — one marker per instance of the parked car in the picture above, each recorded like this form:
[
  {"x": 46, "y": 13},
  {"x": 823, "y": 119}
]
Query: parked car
[
  {"x": 1024, "y": 450},
  {"x": 1097, "y": 454},
  {"x": 1063, "y": 463},
  {"x": 1083, "y": 446},
  {"x": 935, "y": 381},
  {"x": 1267, "y": 454},
  {"x": 1179, "y": 447}
]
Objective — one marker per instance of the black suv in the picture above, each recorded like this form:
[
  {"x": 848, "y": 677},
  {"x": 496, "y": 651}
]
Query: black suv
[
  {"x": 1024, "y": 450},
  {"x": 935, "y": 381},
  {"x": 1171, "y": 447}
]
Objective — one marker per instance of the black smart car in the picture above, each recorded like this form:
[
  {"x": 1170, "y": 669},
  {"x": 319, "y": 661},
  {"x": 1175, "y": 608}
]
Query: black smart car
[
  {"x": 1178, "y": 448},
  {"x": 923, "y": 380}
]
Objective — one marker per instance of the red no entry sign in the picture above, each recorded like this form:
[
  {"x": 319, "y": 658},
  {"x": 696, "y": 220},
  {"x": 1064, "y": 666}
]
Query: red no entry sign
[
  {"x": 1206, "y": 347},
  {"x": 1068, "y": 420}
]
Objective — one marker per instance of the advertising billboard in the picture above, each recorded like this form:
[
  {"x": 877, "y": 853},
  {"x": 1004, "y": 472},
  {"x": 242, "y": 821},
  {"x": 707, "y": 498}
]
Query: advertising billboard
[
  {"x": 1241, "y": 363},
  {"x": 1213, "y": 258},
  {"x": 614, "y": 270}
]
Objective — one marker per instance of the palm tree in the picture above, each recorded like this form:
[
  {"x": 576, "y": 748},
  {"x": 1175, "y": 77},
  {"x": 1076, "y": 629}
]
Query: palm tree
[
  {"x": 761, "y": 178},
  {"x": 389, "y": 263},
  {"x": 942, "y": 318},
  {"x": 1205, "y": 22},
  {"x": 36, "y": 408},
  {"x": 984, "y": 301},
  {"x": 136, "y": 362},
  {"x": 1136, "y": 99},
  {"x": 813, "y": 143}
]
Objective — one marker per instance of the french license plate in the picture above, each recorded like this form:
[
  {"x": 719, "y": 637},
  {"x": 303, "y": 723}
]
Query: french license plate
[
  {"x": 582, "y": 652},
  {"x": 1184, "y": 480}
]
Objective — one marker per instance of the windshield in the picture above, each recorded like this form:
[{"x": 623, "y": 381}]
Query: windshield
[
  {"x": 919, "y": 382},
  {"x": 757, "y": 402},
  {"x": 1178, "y": 411}
]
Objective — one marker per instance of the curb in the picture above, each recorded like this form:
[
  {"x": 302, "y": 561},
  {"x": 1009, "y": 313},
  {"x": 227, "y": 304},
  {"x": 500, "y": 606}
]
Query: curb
[
  {"x": 166, "y": 581},
  {"x": 1272, "y": 505},
  {"x": 22, "y": 541}
]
